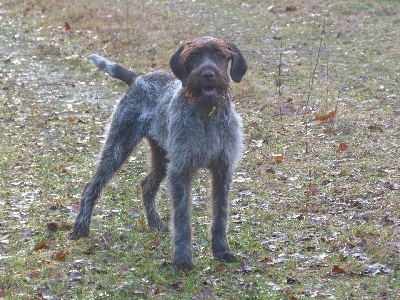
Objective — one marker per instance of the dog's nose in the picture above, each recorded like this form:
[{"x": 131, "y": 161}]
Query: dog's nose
[{"x": 208, "y": 74}]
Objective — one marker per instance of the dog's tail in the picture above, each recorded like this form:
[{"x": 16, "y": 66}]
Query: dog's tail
[{"x": 113, "y": 69}]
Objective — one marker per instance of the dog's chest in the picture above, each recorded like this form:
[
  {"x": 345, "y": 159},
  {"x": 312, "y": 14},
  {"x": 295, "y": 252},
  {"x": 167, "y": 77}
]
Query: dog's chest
[{"x": 201, "y": 141}]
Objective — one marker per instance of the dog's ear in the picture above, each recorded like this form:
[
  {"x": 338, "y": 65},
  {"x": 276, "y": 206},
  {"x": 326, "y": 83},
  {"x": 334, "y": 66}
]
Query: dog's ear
[
  {"x": 239, "y": 64},
  {"x": 177, "y": 66}
]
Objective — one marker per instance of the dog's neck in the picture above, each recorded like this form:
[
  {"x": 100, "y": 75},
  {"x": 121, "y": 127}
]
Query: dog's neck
[{"x": 207, "y": 107}]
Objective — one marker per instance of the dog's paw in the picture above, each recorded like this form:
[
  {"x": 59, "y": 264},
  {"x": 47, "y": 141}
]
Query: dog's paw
[
  {"x": 183, "y": 265},
  {"x": 226, "y": 257},
  {"x": 77, "y": 234},
  {"x": 159, "y": 227}
]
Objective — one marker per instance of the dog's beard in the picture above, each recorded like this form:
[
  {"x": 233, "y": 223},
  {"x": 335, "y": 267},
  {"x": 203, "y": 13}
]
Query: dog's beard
[{"x": 207, "y": 93}]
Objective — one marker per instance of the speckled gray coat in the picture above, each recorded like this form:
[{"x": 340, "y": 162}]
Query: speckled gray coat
[{"x": 190, "y": 123}]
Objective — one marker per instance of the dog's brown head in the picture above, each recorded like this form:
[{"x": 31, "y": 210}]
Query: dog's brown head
[{"x": 202, "y": 67}]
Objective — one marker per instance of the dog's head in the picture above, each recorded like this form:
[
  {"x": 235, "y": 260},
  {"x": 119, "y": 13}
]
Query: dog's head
[{"x": 202, "y": 66}]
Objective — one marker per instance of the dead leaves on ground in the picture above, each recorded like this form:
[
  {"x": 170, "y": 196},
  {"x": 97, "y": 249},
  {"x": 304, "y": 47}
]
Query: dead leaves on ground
[
  {"x": 322, "y": 118},
  {"x": 343, "y": 147}
]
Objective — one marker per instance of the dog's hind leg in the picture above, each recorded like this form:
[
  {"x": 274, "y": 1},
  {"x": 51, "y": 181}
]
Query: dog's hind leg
[
  {"x": 151, "y": 183},
  {"x": 221, "y": 177},
  {"x": 123, "y": 135}
]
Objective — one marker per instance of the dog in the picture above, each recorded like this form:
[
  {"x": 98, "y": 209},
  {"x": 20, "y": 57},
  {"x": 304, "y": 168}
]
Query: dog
[{"x": 190, "y": 123}]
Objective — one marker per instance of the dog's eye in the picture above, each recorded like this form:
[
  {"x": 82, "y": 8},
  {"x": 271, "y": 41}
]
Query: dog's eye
[
  {"x": 194, "y": 56},
  {"x": 219, "y": 55}
]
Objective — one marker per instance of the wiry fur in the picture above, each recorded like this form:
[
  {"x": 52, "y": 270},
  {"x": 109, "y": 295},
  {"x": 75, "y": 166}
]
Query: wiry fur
[{"x": 190, "y": 124}]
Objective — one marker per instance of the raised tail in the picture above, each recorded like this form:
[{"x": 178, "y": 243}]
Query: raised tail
[{"x": 114, "y": 69}]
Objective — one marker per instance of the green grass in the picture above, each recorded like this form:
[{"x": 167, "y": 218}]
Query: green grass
[{"x": 323, "y": 223}]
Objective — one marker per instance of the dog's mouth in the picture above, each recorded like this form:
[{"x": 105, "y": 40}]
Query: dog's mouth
[{"x": 209, "y": 91}]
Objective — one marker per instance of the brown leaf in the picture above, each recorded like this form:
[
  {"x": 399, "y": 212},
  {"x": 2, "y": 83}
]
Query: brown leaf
[
  {"x": 325, "y": 117},
  {"x": 313, "y": 189},
  {"x": 60, "y": 255},
  {"x": 343, "y": 147},
  {"x": 67, "y": 27},
  {"x": 277, "y": 157},
  {"x": 53, "y": 227},
  {"x": 291, "y": 8},
  {"x": 270, "y": 171},
  {"x": 338, "y": 270},
  {"x": 44, "y": 245},
  {"x": 375, "y": 127},
  {"x": 177, "y": 286}
]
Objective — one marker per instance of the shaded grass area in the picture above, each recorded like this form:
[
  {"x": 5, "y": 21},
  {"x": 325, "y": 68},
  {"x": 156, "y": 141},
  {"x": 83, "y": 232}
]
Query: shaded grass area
[{"x": 321, "y": 224}]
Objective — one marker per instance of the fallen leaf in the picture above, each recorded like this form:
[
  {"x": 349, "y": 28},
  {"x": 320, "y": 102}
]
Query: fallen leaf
[
  {"x": 244, "y": 265},
  {"x": 287, "y": 109},
  {"x": 362, "y": 243},
  {"x": 270, "y": 171},
  {"x": 44, "y": 245},
  {"x": 277, "y": 157},
  {"x": 386, "y": 220},
  {"x": 26, "y": 233},
  {"x": 290, "y": 8},
  {"x": 313, "y": 189},
  {"x": 343, "y": 147},
  {"x": 377, "y": 268},
  {"x": 67, "y": 27},
  {"x": 205, "y": 293},
  {"x": 338, "y": 270},
  {"x": 177, "y": 286},
  {"x": 375, "y": 127},
  {"x": 292, "y": 280},
  {"x": 53, "y": 227},
  {"x": 60, "y": 255},
  {"x": 325, "y": 117},
  {"x": 392, "y": 185},
  {"x": 75, "y": 275}
]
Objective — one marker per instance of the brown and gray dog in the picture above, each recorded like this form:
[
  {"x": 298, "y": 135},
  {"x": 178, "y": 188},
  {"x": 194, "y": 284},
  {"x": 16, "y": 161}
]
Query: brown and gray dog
[{"x": 189, "y": 123}]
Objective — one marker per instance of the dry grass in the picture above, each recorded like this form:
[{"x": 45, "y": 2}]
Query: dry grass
[{"x": 322, "y": 223}]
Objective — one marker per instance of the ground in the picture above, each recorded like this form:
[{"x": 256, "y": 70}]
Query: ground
[{"x": 315, "y": 207}]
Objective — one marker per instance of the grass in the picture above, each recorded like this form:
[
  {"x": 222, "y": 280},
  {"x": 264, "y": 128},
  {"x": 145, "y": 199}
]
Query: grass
[{"x": 320, "y": 224}]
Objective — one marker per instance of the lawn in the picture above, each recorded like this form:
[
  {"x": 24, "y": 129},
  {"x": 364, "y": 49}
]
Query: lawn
[{"x": 315, "y": 209}]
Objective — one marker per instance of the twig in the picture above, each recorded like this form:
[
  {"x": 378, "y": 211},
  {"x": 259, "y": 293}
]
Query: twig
[
  {"x": 311, "y": 85},
  {"x": 128, "y": 18},
  {"x": 278, "y": 84}
]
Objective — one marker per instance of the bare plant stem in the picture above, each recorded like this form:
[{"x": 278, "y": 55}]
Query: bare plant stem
[
  {"x": 278, "y": 83},
  {"x": 311, "y": 86},
  {"x": 327, "y": 77},
  {"x": 128, "y": 18},
  {"x": 109, "y": 18}
]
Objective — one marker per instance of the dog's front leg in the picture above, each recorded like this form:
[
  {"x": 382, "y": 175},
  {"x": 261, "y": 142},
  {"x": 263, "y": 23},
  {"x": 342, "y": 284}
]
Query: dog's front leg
[
  {"x": 180, "y": 186},
  {"x": 221, "y": 178}
]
